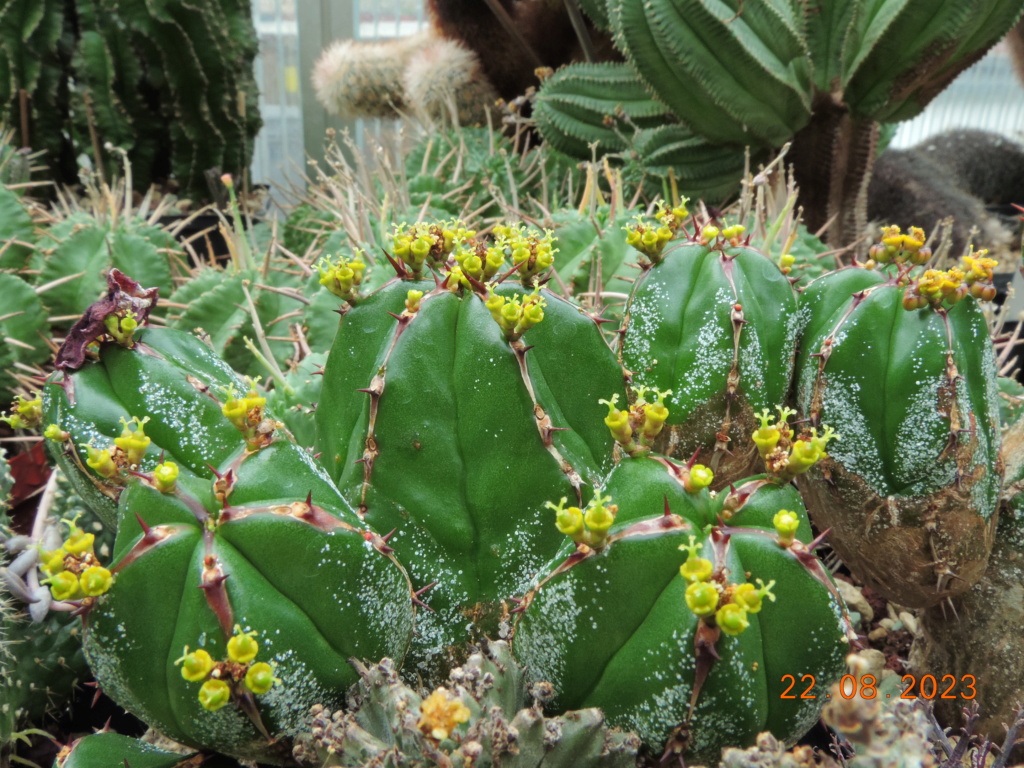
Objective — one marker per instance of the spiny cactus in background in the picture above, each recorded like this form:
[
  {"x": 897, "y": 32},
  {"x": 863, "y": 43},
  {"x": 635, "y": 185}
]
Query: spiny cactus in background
[
  {"x": 170, "y": 83},
  {"x": 429, "y": 77},
  {"x": 676, "y": 610},
  {"x": 416, "y": 368},
  {"x": 820, "y": 74},
  {"x": 24, "y": 326},
  {"x": 485, "y": 715},
  {"x": 207, "y": 624},
  {"x": 714, "y": 321},
  {"x": 910, "y": 492}
]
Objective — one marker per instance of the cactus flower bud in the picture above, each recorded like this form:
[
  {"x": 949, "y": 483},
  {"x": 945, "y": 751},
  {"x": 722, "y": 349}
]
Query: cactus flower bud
[
  {"x": 214, "y": 694},
  {"x": 78, "y": 541},
  {"x": 698, "y": 478},
  {"x": 696, "y": 568},
  {"x": 100, "y": 461},
  {"x": 165, "y": 475},
  {"x": 751, "y": 598},
  {"x": 52, "y": 562},
  {"x": 64, "y": 586},
  {"x": 786, "y": 524},
  {"x": 568, "y": 520},
  {"x": 26, "y": 414},
  {"x": 618, "y": 422},
  {"x": 133, "y": 442},
  {"x": 598, "y": 518},
  {"x": 732, "y": 619},
  {"x": 54, "y": 432},
  {"x": 242, "y": 647},
  {"x": 767, "y": 436},
  {"x": 195, "y": 666}
]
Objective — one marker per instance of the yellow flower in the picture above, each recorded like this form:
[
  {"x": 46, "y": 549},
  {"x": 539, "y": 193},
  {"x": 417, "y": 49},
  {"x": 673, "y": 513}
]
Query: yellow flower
[
  {"x": 195, "y": 666},
  {"x": 440, "y": 712},
  {"x": 732, "y": 618},
  {"x": 214, "y": 694},
  {"x": 243, "y": 646}
]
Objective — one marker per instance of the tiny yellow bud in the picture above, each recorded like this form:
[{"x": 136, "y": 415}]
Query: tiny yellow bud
[
  {"x": 242, "y": 647},
  {"x": 751, "y": 598},
  {"x": 95, "y": 580},
  {"x": 165, "y": 475},
  {"x": 786, "y": 524},
  {"x": 54, "y": 432},
  {"x": 702, "y": 598},
  {"x": 732, "y": 619},
  {"x": 698, "y": 478},
  {"x": 696, "y": 569}
]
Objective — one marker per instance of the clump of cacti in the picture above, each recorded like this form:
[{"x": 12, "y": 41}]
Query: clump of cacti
[{"x": 486, "y": 714}]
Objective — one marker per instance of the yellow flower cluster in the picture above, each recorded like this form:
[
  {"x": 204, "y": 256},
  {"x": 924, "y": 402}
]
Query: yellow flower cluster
[
  {"x": 246, "y": 414},
  {"x": 650, "y": 239},
  {"x": 221, "y": 678},
  {"x": 785, "y": 454},
  {"x": 126, "y": 453},
  {"x": 417, "y": 245},
  {"x": 26, "y": 413},
  {"x": 937, "y": 288},
  {"x": 585, "y": 526},
  {"x": 342, "y": 277},
  {"x": 440, "y": 713},
  {"x": 517, "y": 315},
  {"x": 73, "y": 571},
  {"x": 898, "y": 248},
  {"x": 715, "y": 601},
  {"x": 528, "y": 249},
  {"x": 636, "y": 428}
]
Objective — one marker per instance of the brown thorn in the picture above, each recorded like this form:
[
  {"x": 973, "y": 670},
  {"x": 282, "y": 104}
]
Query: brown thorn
[{"x": 399, "y": 269}]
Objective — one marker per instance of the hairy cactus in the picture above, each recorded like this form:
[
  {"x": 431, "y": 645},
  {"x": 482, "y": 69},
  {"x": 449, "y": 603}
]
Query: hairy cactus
[
  {"x": 910, "y": 491},
  {"x": 654, "y": 616},
  {"x": 442, "y": 417},
  {"x": 485, "y": 715},
  {"x": 713, "y": 321},
  {"x": 817, "y": 73},
  {"x": 205, "y": 593}
]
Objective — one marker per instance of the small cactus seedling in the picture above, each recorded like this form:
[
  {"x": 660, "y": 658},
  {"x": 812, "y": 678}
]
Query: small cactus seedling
[
  {"x": 682, "y": 626},
  {"x": 453, "y": 408},
  {"x": 898, "y": 359},
  {"x": 714, "y": 321},
  {"x": 240, "y": 582}
]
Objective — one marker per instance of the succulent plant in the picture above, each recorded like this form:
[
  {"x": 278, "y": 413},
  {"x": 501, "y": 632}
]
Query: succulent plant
[
  {"x": 416, "y": 368},
  {"x": 485, "y": 715},
  {"x": 97, "y": 750},
  {"x": 23, "y": 328},
  {"x": 910, "y": 491},
  {"x": 653, "y": 613},
  {"x": 235, "y": 546}
]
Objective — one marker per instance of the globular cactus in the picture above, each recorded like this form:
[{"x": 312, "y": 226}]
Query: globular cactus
[
  {"x": 240, "y": 582},
  {"x": 687, "y": 616},
  {"x": 453, "y": 408},
  {"x": 98, "y": 750},
  {"x": 713, "y": 321},
  {"x": 485, "y": 715},
  {"x": 898, "y": 360}
]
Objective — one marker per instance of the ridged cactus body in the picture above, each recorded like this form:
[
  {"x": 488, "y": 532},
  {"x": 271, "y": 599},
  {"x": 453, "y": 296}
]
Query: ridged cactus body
[
  {"x": 230, "y": 538},
  {"x": 715, "y": 324},
  {"x": 436, "y": 424},
  {"x": 617, "y": 627},
  {"x": 912, "y": 486}
]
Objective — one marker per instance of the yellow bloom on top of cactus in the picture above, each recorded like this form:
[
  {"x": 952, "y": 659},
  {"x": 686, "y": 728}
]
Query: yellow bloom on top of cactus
[
  {"x": 440, "y": 713},
  {"x": 786, "y": 524},
  {"x": 654, "y": 414},
  {"x": 750, "y": 598},
  {"x": 121, "y": 328},
  {"x": 805, "y": 452},
  {"x": 78, "y": 541},
  {"x": 732, "y": 618},
  {"x": 26, "y": 414},
  {"x": 133, "y": 442},
  {"x": 95, "y": 580},
  {"x": 456, "y": 279},
  {"x": 64, "y": 586},
  {"x": 695, "y": 568},
  {"x": 470, "y": 263},
  {"x": 517, "y": 315},
  {"x": 568, "y": 520},
  {"x": 618, "y": 421},
  {"x": 786, "y": 262},
  {"x": 100, "y": 461},
  {"x": 260, "y": 678},
  {"x": 54, "y": 432},
  {"x": 648, "y": 240},
  {"x": 214, "y": 694},
  {"x": 164, "y": 476},
  {"x": 242, "y": 647},
  {"x": 978, "y": 267},
  {"x": 52, "y": 562},
  {"x": 900, "y": 248},
  {"x": 195, "y": 666},
  {"x": 598, "y": 517},
  {"x": 767, "y": 436},
  {"x": 454, "y": 233},
  {"x": 698, "y": 477},
  {"x": 673, "y": 218},
  {"x": 709, "y": 233},
  {"x": 733, "y": 233},
  {"x": 341, "y": 277},
  {"x": 702, "y": 598}
]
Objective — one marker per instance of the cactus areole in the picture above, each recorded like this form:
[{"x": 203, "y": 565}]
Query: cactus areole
[
  {"x": 901, "y": 365},
  {"x": 454, "y": 408},
  {"x": 684, "y": 623},
  {"x": 241, "y": 581}
]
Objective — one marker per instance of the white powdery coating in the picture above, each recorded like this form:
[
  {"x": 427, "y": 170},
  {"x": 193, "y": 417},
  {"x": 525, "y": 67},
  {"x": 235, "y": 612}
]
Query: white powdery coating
[
  {"x": 920, "y": 440},
  {"x": 541, "y": 643},
  {"x": 856, "y": 448},
  {"x": 645, "y": 318},
  {"x": 753, "y": 363},
  {"x": 287, "y": 703},
  {"x": 712, "y": 358},
  {"x": 654, "y": 719},
  {"x": 383, "y": 601},
  {"x": 183, "y": 416}
]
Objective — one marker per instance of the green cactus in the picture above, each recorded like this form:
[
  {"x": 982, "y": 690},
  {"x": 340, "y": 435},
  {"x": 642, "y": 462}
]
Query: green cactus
[
  {"x": 440, "y": 417},
  {"x": 170, "y": 83},
  {"x": 713, "y": 321},
  {"x": 910, "y": 492},
  {"x": 485, "y": 715},
  {"x": 223, "y": 529},
  {"x": 684, "y": 649},
  {"x": 98, "y": 750},
  {"x": 23, "y": 329},
  {"x": 819, "y": 74}
]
